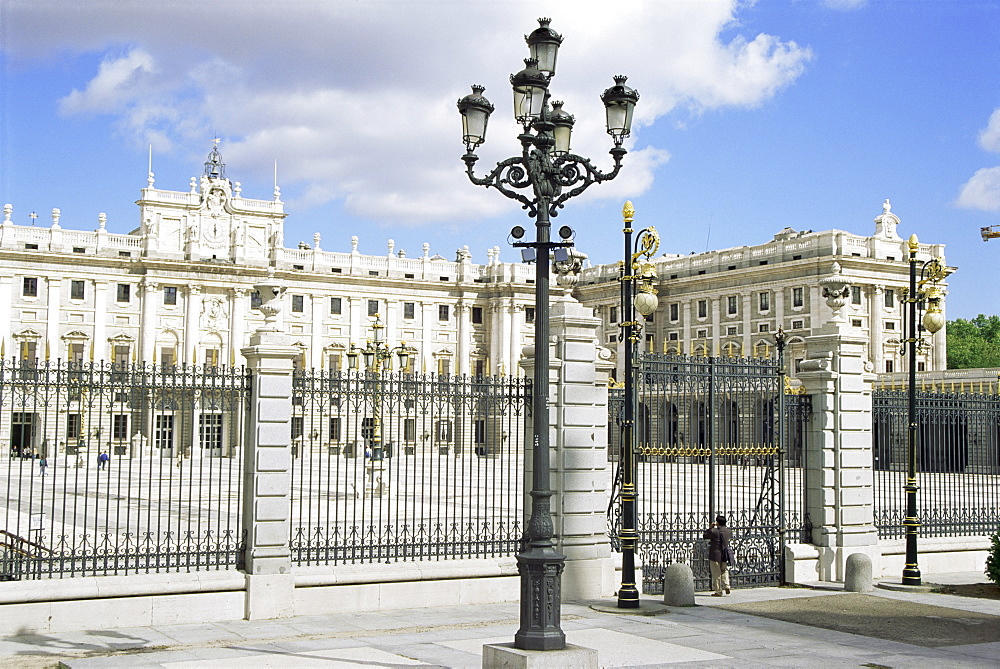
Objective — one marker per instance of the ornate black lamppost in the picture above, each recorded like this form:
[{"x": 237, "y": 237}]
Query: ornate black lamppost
[
  {"x": 377, "y": 354},
  {"x": 551, "y": 175},
  {"x": 645, "y": 302},
  {"x": 926, "y": 291}
]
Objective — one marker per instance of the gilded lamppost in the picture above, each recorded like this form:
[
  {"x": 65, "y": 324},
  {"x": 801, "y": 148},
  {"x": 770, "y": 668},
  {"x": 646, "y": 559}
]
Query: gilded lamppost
[
  {"x": 645, "y": 302},
  {"x": 377, "y": 354},
  {"x": 925, "y": 292},
  {"x": 549, "y": 174}
]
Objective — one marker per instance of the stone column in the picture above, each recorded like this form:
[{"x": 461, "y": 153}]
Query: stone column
[
  {"x": 148, "y": 292},
  {"x": 191, "y": 325},
  {"x": 875, "y": 328},
  {"x": 6, "y": 291},
  {"x": 270, "y": 586},
  {"x": 237, "y": 321},
  {"x": 99, "y": 351},
  {"x": 53, "y": 300},
  {"x": 316, "y": 335},
  {"x": 463, "y": 313},
  {"x": 838, "y": 465},
  {"x": 580, "y": 476}
]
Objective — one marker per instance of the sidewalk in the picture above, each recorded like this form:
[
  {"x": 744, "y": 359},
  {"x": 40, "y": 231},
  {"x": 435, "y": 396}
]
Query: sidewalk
[{"x": 714, "y": 633}]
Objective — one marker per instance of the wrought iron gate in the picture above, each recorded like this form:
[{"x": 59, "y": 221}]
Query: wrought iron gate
[{"x": 710, "y": 437}]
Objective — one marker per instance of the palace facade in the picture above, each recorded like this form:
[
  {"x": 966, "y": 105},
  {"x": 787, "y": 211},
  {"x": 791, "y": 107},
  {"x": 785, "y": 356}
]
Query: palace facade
[{"x": 180, "y": 290}]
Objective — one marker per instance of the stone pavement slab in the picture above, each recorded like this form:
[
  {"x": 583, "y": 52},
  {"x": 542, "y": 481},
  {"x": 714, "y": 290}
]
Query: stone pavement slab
[{"x": 718, "y": 632}]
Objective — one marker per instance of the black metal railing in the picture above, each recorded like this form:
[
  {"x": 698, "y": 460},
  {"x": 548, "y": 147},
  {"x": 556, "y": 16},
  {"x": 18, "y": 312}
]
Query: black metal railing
[
  {"x": 710, "y": 437},
  {"x": 119, "y": 468},
  {"x": 958, "y": 462},
  {"x": 393, "y": 467}
]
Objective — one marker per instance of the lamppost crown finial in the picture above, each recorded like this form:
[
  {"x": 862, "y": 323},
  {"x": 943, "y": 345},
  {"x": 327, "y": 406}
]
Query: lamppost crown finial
[{"x": 913, "y": 244}]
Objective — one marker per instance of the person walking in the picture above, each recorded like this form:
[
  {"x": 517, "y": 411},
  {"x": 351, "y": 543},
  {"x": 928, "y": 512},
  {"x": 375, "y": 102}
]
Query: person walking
[
  {"x": 720, "y": 554},
  {"x": 42, "y": 465},
  {"x": 102, "y": 460}
]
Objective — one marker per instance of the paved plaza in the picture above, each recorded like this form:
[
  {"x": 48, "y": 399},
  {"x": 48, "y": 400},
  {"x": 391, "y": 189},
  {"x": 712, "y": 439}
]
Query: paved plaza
[{"x": 717, "y": 632}]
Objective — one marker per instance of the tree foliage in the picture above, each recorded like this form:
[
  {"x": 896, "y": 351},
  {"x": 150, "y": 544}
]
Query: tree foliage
[{"x": 974, "y": 343}]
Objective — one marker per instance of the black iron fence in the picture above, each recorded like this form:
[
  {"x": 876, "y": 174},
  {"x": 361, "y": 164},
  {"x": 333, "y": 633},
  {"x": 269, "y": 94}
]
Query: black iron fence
[
  {"x": 958, "y": 462},
  {"x": 714, "y": 435},
  {"x": 406, "y": 467},
  {"x": 117, "y": 468}
]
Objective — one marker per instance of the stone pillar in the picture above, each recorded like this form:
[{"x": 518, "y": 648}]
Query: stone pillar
[
  {"x": 6, "y": 292},
  {"x": 580, "y": 476},
  {"x": 237, "y": 321},
  {"x": 838, "y": 465},
  {"x": 53, "y": 301},
  {"x": 148, "y": 293},
  {"x": 191, "y": 324},
  {"x": 99, "y": 350},
  {"x": 270, "y": 586},
  {"x": 463, "y": 314}
]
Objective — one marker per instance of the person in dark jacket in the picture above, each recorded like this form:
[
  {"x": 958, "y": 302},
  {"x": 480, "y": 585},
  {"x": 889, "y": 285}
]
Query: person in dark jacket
[{"x": 720, "y": 553}]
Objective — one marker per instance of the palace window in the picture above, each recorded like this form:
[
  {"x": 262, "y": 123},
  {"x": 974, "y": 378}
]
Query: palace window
[
  {"x": 889, "y": 297},
  {"x": 30, "y": 287},
  {"x": 77, "y": 290},
  {"x": 442, "y": 312},
  {"x": 797, "y": 297},
  {"x": 298, "y": 304},
  {"x": 335, "y": 306},
  {"x": 373, "y": 307},
  {"x": 170, "y": 295},
  {"x": 855, "y": 294},
  {"x": 124, "y": 292},
  {"x": 409, "y": 310},
  {"x": 477, "y": 315},
  {"x": 731, "y": 305},
  {"x": 702, "y": 308},
  {"x": 764, "y": 301}
]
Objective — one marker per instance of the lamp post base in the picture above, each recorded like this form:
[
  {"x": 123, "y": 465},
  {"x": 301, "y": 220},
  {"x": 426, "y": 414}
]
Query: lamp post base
[
  {"x": 628, "y": 598},
  {"x": 541, "y": 571}
]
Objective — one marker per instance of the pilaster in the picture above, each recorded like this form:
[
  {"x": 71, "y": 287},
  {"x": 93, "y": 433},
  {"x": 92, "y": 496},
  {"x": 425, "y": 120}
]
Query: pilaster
[
  {"x": 266, "y": 554},
  {"x": 838, "y": 467},
  {"x": 580, "y": 477}
]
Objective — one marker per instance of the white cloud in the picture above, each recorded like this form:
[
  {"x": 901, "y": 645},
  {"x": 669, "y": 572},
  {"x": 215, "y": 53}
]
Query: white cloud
[
  {"x": 357, "y": 100},
  {"x": 989, "y": 138},
  {"x": 982, "y": 191},
  {"x": 117, "y": 84}
]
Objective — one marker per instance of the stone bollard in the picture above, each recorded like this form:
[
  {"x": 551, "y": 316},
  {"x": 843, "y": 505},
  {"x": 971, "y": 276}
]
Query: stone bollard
[
  {"x": 678, "y": 585},
  {"x": 858, "y": 573}
]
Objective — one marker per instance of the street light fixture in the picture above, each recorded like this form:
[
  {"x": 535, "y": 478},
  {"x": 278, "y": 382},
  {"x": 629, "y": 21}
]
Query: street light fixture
[
  {"x": 377, "y": 354},
  {"x": 926, "y": 291},
  {"x": 644, "y": 302},
  {"x": 551, "y": 175}
]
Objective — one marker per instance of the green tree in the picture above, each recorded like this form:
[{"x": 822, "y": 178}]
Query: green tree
[{"x": 974, "y": 343}]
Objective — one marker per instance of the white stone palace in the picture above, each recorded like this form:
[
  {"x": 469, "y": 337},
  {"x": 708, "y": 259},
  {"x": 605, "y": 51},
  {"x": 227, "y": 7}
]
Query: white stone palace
[{"x": 179, "y": 290}]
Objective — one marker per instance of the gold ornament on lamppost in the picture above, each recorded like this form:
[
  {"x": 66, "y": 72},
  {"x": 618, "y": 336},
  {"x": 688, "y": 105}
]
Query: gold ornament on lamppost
[
  {"x": 923, "y": 292},
  {"x": 645, "y": 302}
]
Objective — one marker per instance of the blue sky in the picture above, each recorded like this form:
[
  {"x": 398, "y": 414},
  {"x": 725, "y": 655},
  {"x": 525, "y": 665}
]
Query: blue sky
[{"x": 752, "y": 117}]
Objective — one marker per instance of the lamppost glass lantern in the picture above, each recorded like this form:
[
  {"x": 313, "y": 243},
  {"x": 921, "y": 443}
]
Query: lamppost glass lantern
[
  {"x": 619, "y": 103},
  {"x": 543, "y": 44},
  {"x": 475, "y": 110},
  {"x": 530, "y": 86},
  {"x": 563, "y": 122}
]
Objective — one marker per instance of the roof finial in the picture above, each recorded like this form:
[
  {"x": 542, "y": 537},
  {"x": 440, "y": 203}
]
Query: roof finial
[{"x": 214, "y": 167}]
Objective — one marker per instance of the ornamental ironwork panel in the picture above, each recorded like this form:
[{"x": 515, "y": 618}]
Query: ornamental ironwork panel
[
  {"x": 119, "y": 468},
  {"x": 710, "y": 432},
  {"x": 958, "y": 462},
  {"x": 394, "y": 466}
]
